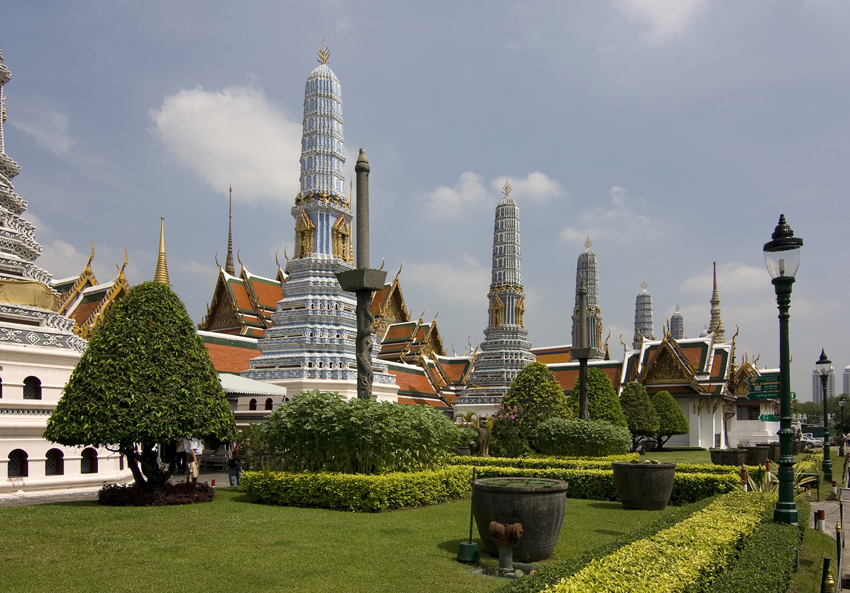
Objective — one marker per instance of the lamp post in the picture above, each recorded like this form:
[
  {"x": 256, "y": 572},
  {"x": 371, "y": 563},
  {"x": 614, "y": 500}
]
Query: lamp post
[
  {"x": 824, "y": 366},
  {"x": 782, "y": 258},
  {"x": 841, "y": 403}
]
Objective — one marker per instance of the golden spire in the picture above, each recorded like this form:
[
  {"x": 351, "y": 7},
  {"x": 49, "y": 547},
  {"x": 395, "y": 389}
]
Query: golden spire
[
  {"x": 643, "y": 285},
  {"x": 588, "y": 243},
  {"x": 507, "y": 189},
  {"x": 228, "y": 262},
  {"x": 324, "y": 54},
  {"x": 161, "y": 274}
]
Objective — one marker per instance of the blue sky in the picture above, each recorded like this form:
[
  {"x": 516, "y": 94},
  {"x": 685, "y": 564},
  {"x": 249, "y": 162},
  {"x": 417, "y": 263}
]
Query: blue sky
[{"x": 672, "y": 133}]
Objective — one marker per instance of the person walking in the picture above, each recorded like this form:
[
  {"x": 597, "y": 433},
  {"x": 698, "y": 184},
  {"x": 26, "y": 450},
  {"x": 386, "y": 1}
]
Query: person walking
[{"x": 234, "y": 463}]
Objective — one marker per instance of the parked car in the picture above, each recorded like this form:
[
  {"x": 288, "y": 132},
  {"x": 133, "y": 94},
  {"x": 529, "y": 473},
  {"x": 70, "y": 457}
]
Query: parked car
[{"x": 811, "y": 440}]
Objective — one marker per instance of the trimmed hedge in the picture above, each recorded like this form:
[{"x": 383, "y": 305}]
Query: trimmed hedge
[
  {"x": 597, "y": 484},
  {"x": 765, "y": 562},
  {"x": 680, "y": 559},
  {"x": 358, "y": 492},
  {"x": 554, "y": 573},
  {"x": 557, "y": 436}
]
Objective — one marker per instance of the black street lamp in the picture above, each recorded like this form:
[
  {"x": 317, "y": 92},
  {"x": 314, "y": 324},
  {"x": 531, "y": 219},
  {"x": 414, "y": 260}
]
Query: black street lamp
[
  {"x": 782, "y": 257},
  {"x": 824, "y": 366},
  {"x": 842, "y": 401}
]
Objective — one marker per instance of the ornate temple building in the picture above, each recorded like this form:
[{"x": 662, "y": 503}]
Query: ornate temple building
[
  {"x": 311, "y": 342},
  {"x": 587, "y": 270},
  {"x": 677, "y": 325},
  {"x": 715, "y": 326},
  {"x": 505, "y": 350},
  {"x": 643, "y": 318},
  {"x": 39, "y": 348}
]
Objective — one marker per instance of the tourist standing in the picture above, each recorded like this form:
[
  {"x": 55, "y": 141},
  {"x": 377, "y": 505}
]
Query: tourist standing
[{"x": 234, "y": 463}]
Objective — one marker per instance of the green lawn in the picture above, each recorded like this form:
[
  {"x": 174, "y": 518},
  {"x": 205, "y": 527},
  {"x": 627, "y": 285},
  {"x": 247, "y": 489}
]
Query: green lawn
[{"x": 231, "y": 545}]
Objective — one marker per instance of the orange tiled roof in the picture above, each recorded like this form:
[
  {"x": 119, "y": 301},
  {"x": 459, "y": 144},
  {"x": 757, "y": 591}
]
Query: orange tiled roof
[
  {"x": 421, "y": 401},
  {"x": 230, "y": 357},
  {"x": 411, "y": 380},
  {"x": 268, "y": 293},
  {"x": 379, "y": 297},
  {"x": 82, "y": 312}
]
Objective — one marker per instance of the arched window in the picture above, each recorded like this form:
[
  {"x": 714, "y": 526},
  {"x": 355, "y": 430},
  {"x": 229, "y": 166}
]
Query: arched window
[
  {"x": 252, "y": 405},
  {"x": 269, "y": 404},
  {"x": 18, "y": 464},
  {"x": 54, "y": 464},
  {"x": 32, "y": 388},
  {"x": 88, "y": 464}
]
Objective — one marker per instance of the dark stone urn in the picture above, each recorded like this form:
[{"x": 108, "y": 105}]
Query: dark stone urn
[
  {"x": 538, "y": 504},
  {"x": 644, "y": 486},
  {"x": 757, "y": 454},
  {"x": 736, "y": 457}
]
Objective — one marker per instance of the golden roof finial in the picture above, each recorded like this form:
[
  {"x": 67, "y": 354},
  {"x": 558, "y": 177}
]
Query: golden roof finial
[
  {"x": 588, "y": 242},
  {"x": 324, "y": 54},
  {"x": 161, "y": 274},
  {"x": 643, "y": 285},
  {"x": 507, "y": 189}
]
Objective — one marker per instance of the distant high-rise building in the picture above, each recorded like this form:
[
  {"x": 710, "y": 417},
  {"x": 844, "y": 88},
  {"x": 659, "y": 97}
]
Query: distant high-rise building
[
  {"x": 817, "y": 386},
  {"x": 643, "y": 318},
  {"x": 846, "y": 389}
]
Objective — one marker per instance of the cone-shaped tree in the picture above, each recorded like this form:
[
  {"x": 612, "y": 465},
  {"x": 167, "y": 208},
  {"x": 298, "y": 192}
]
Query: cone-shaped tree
[
  {"x": 537, "y": 394},
  {"x": 671, "y": 420},
  {"x": 641, "y": 417},
  {"x": 145, "y": 379},
  {"x": 602, "y": 399}
]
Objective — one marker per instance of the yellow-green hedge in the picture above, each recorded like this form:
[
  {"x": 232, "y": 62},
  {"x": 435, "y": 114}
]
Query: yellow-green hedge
[
  {"x": 358, "y": 492},
  {"x": 680, "y": 559},
  {"x": 543, "y": 462}
]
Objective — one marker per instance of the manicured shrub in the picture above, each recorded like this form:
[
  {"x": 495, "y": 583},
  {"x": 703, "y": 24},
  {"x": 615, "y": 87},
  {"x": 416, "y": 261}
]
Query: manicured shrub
[
  {"x": 554, "y": 573},
  {"x": 534, "y": 396},
  {"x": 680, "y": 559},
  {"x": 765, "y": 562},
  {"x": 508, "y": 438},
  {"x": 361, "y": 493},
  {"x": 602, "y": 400},
  {"x": 557, "y": 436},
  {"x": 133, "y": 495},
  {"x": 641, "y": 417},
  {"x": 671, "y": 420},
  {"x": 325, "y": 432}
]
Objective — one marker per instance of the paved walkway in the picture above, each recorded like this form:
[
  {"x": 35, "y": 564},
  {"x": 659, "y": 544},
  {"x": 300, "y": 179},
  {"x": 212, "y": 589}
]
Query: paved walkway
[
  {"x": 15, "y": 499},
  {"x": 833, "y": 516}
]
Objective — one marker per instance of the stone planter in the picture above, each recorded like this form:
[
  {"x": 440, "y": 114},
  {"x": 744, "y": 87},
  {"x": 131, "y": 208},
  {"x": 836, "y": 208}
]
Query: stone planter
[
  {"x": 644, "y": 486},
  {"x": 736, "y": 457},
  {"x": 463, "y": 451},
  {"x": 757, "y": 455},
  {"x": 799, "y": 447},
  {"x": 773, "y": 452},
  {"x": 538, "y": 504}
]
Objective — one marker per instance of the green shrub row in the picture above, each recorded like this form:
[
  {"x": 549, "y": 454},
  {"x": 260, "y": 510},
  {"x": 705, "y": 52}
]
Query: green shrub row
[
  {"x": 682, "y": 558},
  {"x": 764, "y": 563},
  {"x": 558, "y": 436},
  {"x": 554, "y": 573},
  {"x": 598, "y": 484},
  {"x": 358, "y": 492}
]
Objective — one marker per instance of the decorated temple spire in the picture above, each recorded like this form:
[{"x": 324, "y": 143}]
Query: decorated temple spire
[
  {"x": 677, "y": 325},
  {"x": 161, "y": 274},
  {"x": 506, "y": 349},
  {"x": 4, "y": 78},
  {"x": 228, "y": 263},
  {"x": 587, "y": 271},
  {"x": 643, "y": 318},
  {"x": 715, "y": 326}
]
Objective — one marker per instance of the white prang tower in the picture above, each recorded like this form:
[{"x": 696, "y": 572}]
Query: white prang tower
[{"x": 505, "y": 350}]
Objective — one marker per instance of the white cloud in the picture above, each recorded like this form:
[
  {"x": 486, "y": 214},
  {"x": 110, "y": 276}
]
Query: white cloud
[
  {"x": 619, "y": 222},
  {"x": 47, "y": 126},
  {"x": 537, "y": 186},
  {"x": 194, "y": 268},
  {"x": 234, "y": 136},
  {"x": 466, "y": 283},
  {"x": 732, "y": 278},
  {"x": 469, "y": 191},
  {"x": 664, "y": 19}
]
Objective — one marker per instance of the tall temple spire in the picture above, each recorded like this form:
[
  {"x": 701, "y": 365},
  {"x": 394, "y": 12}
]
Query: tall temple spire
[
  {"x": 715, "y": 326},
  {"x": 161, "y": 274},
  {"x": 505, "y": 350},
  {"x": 228, "y": 263},
  {"x": 643, "y": 318},
  {"x": 677, "y": 325},
  {"x": 587, "y": 270},
  {"x": 313, "y": 338}
]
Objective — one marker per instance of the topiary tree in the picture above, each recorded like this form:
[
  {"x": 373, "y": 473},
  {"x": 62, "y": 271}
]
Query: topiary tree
[
  {"x": 671, "y": 420},
  {"x": 641, "y": 417},
  {"x": 602, "y": 399},
  {"x": 146, "y": 378},
  {"x": 580, "y": 438},
  {"x": 537, "y": 396}
]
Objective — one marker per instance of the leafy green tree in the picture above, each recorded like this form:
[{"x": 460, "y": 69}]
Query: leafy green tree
[
  {"x": 671, "y": 420},
  {"x": 641, "y": 417},
  {"x": 145, "y": 379},
  {"x": 602, "y": 399},
  {"x": 813, "y": 412},
  {"x": 537, "y": 396}
]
